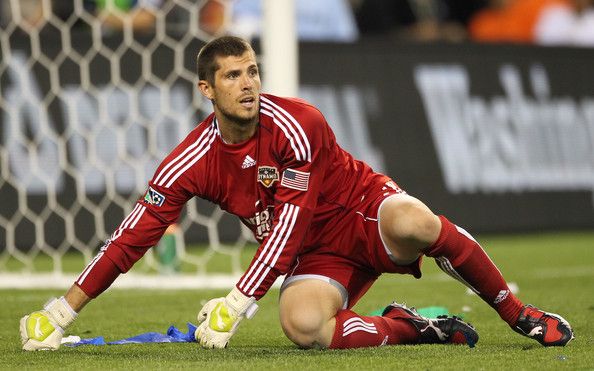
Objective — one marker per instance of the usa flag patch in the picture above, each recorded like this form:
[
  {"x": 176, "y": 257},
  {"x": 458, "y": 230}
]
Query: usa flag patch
[{"x": 295, "y": 179}]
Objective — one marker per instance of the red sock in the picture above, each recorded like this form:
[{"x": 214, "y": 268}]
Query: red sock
[
  {"x": 355, "y": 331},
  {"x": 460, "y": 256}
]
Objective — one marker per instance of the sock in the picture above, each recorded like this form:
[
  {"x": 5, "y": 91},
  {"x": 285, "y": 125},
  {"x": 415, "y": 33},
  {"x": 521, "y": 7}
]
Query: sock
[
  {"x": 458, "y": 254},
  {"x": 355, "y": 331}
]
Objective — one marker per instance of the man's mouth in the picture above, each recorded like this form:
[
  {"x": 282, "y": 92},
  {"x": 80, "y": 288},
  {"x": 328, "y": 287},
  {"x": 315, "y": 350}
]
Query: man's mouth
[{"x": 248, "y": 102}]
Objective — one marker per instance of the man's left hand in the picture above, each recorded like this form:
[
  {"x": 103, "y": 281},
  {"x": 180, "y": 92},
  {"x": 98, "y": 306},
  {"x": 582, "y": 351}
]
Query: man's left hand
[{"x": 218, "y": 319}]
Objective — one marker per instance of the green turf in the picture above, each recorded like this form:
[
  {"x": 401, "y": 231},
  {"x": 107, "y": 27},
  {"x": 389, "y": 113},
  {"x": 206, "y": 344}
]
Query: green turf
[
  {"x": 554, "y": 271},
  {"x": 73, "y": 261}
]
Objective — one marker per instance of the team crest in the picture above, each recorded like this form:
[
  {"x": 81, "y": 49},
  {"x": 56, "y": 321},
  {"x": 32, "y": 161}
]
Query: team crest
[{"x": 267, "y": 175}]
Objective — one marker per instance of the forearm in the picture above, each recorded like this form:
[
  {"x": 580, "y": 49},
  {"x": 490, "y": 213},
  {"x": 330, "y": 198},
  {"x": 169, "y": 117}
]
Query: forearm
[
  {"x": 76, "y": 298},
  {"x": 100, "y": 273},
  {"x": 277, "y": 252},
  {"x": 265, "y": 283}
]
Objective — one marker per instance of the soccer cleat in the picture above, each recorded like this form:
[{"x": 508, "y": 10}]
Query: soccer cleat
[
  {"x": 549, "y": 329},
  {"x": 441, "y": 330}
]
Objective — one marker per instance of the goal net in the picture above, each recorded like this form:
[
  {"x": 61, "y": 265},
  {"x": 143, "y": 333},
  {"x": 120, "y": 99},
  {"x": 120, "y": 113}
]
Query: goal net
[{"x": 91, "y": 99}]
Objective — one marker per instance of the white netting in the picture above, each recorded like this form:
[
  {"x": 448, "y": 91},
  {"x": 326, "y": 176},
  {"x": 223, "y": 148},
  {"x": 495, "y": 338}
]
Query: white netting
[{"x": 87, "y": 111}]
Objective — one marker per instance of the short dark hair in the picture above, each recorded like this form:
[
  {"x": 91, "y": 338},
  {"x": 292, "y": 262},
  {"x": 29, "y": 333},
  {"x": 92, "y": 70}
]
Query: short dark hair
[{"x": 221, "y": 47}]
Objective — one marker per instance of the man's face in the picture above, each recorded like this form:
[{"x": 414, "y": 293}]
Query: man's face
[{"x": 236, "y": 89}]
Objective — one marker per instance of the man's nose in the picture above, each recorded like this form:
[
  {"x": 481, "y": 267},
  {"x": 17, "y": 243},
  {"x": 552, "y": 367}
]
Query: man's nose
[{"x": 246, "y": 82}]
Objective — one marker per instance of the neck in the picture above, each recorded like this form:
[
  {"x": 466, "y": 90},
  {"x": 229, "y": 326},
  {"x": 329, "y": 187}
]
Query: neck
[{"x": 233, "y": 132}]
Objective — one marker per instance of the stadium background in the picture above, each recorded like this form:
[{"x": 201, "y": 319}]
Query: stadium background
[{"x": 500, "y": 137}]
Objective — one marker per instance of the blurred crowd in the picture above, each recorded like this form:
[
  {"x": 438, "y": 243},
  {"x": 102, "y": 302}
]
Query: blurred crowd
[{"x": 544, "y": 22}]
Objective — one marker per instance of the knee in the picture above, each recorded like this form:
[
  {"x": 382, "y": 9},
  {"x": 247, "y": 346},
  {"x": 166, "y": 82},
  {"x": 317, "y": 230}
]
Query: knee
[
  {"x": 307, "y": 309},
  {"x": 408, "y": 224},
  {"x": 304, "y": 328}
]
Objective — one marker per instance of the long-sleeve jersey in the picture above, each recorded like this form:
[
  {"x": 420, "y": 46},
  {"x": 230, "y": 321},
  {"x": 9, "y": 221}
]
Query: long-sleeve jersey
[{"x": 290, "y": 183}]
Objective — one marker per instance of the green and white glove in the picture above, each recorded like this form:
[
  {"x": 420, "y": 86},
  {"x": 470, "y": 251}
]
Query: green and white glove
[
  {"x": 218, "y": 319},
  {"x": 43, "y": 330}
]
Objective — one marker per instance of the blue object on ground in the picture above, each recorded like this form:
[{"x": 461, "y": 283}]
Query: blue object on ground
[{"x": 173, "y": 335}]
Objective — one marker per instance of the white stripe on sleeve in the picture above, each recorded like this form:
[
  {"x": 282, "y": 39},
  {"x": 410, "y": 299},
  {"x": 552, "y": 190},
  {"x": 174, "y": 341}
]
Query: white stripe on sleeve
[
  {"x": 186, "y": 159},
  {"x": 272, "y": 250},
  {"x": 301, "y": 137},
  {"x": 290, "y": 127},
  {"x": 88, "y": 269},
  {"x": 197, "y": 143}
]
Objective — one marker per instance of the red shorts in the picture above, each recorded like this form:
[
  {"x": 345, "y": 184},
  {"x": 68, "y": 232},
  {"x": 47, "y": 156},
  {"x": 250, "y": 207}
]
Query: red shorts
[{"x": 354, "y": 255}]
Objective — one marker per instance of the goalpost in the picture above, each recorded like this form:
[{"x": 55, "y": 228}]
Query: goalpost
[{"x": 86, "y": 115}]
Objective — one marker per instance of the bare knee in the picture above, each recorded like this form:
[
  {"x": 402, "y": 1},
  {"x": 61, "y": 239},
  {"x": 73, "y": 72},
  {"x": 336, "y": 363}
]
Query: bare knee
[
  {"x": 407, "y": 226},
  {"x": 307, "y": 309},
  {"x": 304, "y": 328}
]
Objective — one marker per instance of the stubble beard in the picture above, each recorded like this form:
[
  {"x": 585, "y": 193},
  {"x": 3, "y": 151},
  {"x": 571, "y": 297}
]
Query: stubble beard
[{"x": 239, "y": 120}]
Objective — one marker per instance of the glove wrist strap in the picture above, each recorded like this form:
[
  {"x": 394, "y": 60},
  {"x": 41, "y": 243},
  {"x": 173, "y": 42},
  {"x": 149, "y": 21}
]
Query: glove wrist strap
[
  {"x": 241, "y": 304},
  {"x": 60, "y": 311}
]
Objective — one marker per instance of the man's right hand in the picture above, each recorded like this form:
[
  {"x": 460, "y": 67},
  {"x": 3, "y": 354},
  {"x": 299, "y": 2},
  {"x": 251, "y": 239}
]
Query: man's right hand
[
  {"x": 39, "y": 332},
  {"x": 43, "y": 330}
]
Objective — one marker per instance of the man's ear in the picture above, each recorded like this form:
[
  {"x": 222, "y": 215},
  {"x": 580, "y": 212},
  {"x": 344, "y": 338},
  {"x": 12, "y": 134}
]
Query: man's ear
[{"x": 205, "y": 89}]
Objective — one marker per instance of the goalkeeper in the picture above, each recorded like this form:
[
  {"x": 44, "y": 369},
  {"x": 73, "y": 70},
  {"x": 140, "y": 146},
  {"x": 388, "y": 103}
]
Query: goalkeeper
[{"x": 324, "y": 219}]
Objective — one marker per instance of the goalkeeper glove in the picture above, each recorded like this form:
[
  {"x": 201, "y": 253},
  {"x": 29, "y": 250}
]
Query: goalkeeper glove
[
  {"x": 220, "y": 317},
  {"x": 43, "y": 330}
]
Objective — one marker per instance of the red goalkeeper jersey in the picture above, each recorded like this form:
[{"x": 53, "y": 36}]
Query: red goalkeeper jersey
[{"x": 290, "y": 184}]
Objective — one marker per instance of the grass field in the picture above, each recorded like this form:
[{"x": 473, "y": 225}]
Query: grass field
[{"x": 554, "y": 271}]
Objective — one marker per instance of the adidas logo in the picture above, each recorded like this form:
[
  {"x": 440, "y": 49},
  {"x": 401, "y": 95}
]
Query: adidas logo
[
  {"x": 248, "y": 161},
  {"x": 501, "y": 296}
]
